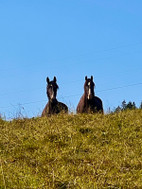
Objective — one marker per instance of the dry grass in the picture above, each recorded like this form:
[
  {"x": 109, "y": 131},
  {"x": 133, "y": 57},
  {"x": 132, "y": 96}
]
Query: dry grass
[{"x": 72, "y": 151}]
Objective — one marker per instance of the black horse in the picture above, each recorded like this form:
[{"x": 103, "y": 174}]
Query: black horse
[
  {"x": 89, "y": 103},
  {"x": 53, "y": 106}
]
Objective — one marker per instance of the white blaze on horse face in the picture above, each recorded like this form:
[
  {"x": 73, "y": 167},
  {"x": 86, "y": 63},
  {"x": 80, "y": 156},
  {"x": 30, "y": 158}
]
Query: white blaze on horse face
[
  {"x": 52, "y": 95},
  {"x": 89, "y": 93}
]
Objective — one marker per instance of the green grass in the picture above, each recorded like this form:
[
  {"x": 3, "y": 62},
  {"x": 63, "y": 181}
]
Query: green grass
[{"x": 72, "y": 151}]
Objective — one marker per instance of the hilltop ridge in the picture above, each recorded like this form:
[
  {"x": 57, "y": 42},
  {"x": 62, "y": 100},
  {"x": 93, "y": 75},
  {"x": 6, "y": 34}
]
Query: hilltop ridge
[{"x": 72, "y": 151}]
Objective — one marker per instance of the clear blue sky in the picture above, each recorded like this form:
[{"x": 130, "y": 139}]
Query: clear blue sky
[{"x": 69, "y": 39}]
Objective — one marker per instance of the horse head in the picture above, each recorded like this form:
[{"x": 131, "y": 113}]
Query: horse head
[
  {"x": 52, "y": 89},
  {"x": 89, "y": 88}
]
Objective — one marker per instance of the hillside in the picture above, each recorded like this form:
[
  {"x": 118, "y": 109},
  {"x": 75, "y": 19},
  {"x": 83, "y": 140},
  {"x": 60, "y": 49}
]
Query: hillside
[{"x": 72, "y": 151}]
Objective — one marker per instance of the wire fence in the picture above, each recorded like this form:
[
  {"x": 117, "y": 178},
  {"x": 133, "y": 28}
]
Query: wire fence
[{"x": 73, "y": 95}]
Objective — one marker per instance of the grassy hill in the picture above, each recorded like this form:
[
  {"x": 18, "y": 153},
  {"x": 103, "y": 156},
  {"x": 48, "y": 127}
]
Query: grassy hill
[{"x": 72, "y": 151}]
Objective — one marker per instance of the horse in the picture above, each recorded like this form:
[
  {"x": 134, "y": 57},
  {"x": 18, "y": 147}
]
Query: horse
[
  {"x": 53, "y": 106},
  {"x": 89, "y": 103}
]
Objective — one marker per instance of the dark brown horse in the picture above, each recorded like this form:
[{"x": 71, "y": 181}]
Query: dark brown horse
[
  {"x": 89, "y": 103},
  {"x": 53, "y": 106}
]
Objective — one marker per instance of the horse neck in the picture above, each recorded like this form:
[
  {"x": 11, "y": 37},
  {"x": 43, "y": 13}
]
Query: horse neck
[
  {"x": 52, "y": 102},
  {"x": 51, "y": 105},
  {"x": 88, "y": 101}
]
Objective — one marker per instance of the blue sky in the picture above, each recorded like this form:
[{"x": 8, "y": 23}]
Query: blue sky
[{"x": 69, "y": 39}]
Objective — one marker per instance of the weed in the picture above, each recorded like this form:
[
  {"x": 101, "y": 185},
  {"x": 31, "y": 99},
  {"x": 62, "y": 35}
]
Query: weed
[{"x": 72, "y": 151}]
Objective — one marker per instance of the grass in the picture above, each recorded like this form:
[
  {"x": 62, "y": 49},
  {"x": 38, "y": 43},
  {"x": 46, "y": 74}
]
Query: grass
[{"x": 72, "y": 151}]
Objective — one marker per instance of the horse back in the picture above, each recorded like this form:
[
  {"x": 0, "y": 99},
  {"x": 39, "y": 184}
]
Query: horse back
[
  {"x": 62, "y": 107},
  {"x": 98, "y": 104},
  {"x": 95, "y": 105},
  {"x": 54, "y": 109}
]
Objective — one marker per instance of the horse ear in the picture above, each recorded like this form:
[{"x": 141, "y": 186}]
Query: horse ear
[
  {"x": 85, "y": 77},
  {"x": 55, "y": 79},
  {"x": 47, "y": 80},
  {"x": 91, "y": 78}
]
